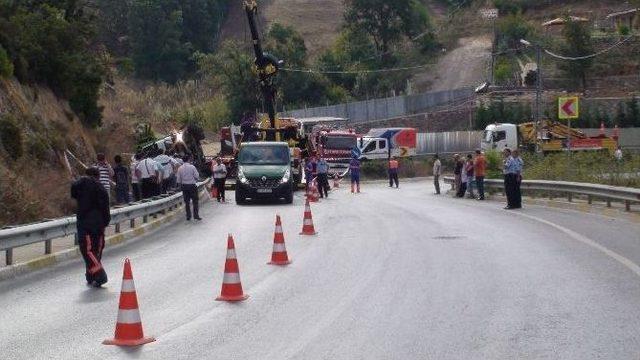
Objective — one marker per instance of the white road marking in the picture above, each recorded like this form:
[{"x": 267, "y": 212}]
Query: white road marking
[{"x": 585, "y": 240}]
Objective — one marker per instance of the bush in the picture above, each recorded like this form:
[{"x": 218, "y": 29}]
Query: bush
[
  {"x": 11, "y": 136},
  {"x": 494, "y": 164},
  {"x": 589, "y": 167},
  {"x": 624, "y": 30},
  {"x": 6, "y": 66}
]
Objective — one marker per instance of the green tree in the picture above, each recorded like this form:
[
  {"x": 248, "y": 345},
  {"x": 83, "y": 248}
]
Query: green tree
[
  {"x": 156, "y": 32},
  {"x": 578, "y": 43},
  {"x": 49, "y": 43},
  {"x": 296, "y": 88},
  {"x": 634, "y": 112},
  {"x": 387, "y": 21},
  {"x": 6, "y": 66},
  {"x": 511, "y": 29},
  {"x": 230, "y": 69}
]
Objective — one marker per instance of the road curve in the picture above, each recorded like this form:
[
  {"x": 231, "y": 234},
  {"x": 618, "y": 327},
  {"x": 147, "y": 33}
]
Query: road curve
[{"x": 393, "y": 273}]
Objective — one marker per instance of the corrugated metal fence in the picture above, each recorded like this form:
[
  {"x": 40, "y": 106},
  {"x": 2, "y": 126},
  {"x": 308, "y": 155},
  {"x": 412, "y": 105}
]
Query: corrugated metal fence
[
  {"x": 468, "y": 141},
  {"x": 448, "y": 142},
  {"x": 385, "y": 108}
]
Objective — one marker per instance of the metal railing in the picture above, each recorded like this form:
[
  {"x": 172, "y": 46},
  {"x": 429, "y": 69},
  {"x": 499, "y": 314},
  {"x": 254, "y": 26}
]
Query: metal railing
[
  {"x": 570, "y": 189},
  {"x": 47, "y": 231}
]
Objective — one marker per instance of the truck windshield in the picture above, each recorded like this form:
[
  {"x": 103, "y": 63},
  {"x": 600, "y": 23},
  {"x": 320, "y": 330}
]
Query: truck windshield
[
  {"x": 264, "y": 155},
  {"x": 339, "y": 142}
]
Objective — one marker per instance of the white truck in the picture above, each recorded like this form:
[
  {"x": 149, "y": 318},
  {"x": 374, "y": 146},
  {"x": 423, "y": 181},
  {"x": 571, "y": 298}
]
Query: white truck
[{"x": 382, "y": 143}]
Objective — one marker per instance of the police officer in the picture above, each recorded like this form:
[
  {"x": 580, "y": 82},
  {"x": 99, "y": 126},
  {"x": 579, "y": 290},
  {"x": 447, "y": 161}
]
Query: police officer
[{"x": 92, "y": 216}]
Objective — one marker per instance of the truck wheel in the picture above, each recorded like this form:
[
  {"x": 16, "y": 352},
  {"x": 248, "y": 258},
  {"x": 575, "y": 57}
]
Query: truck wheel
[{"x": 240, "y": 198}]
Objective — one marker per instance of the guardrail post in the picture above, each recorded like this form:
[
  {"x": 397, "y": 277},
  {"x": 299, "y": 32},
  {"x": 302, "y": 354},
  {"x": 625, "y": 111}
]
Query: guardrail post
[
  {"x": 608, "y": 203},
  {"x": 627, "y": 205},
  {"x": 117, "y": 228},
  {"x": 75, "y": 239},
  {"x": 570, "y": 197},
  {"x": 47, "y": 247},
  {"x": 590, "y": 199},
  {"x": 145, "y": 219},
  {"x": 132, "y": 223},
  {"x": 9, "y": 257}
]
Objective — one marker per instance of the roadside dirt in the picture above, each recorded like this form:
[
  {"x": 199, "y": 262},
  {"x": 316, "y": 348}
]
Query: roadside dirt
[{"x": 466, "y": 65}]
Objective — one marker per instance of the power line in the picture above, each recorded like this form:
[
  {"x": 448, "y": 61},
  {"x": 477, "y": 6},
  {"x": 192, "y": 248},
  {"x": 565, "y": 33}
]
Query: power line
[{"x": 578, "y": 58}]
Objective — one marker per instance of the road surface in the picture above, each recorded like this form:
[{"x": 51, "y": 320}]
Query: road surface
[{"x": 392, "y": 274}]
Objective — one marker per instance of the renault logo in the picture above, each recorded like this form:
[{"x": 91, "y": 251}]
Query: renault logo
[{"x": 264, "y": 179}]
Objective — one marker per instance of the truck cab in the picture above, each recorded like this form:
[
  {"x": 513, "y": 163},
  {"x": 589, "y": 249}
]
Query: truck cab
[
  {"x": 499, "y": 137},
  {"x": 264, "y": 172},
  {"x": 373, "y": 148}
]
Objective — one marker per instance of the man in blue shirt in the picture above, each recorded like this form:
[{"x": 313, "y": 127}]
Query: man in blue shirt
[
  {"x": 512, "y": 170},
  {"x": 323, "y": 177}
]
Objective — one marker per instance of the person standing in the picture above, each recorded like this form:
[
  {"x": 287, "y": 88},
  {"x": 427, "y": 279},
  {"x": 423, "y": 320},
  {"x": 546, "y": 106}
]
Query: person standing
[
  {"x": 121, "y": 177},
  {"x": 393, "y": 172},
  {"x": 480, "y": 170},
  {"x": 309, "y": 168},
  {"x": 437, "y": 172},
  {"x": 510, "y": 178},
  {"x": 462, "y": 189},
  {"x": 323, "y": 177},
  {"x": 468, "y": 168},
  {"x": 354, "y": 169},
  {"x": 106, "y": 172},
  {"x": 135, "y": 180},
  {"x": 457, "y": 172},
  {"x": 219, "y": 171},
  {"x": 92, "y": 216},
  {"x": 519, "y": 164},
  {"x": 188, "y": 178},
  {"x": 168, "y": 167},
  {"x": 147, "y": 172}
]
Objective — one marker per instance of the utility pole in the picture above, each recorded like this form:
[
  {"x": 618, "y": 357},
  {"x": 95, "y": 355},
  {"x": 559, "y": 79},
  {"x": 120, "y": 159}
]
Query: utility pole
[
  {"x": 538, "y": 107},
  {"x": 538, "y": 95}
]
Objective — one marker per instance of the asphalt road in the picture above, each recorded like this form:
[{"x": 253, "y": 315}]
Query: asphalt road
[{"x": 392, "y": 274}]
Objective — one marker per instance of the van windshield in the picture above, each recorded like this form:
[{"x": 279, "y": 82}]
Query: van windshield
[
  {"x": 264, "y": 155},
  {"x": 487, "y": 136}
]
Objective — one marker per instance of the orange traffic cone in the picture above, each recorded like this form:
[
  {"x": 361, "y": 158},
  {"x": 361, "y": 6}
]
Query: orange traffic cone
[
  {"x": 307, "y": 225},
  {"x": 231, "y": 285},
  {"x": 315, "y": 194},
  {"x": 129, "y": 326},
  {"x": 279, "y": 255}
]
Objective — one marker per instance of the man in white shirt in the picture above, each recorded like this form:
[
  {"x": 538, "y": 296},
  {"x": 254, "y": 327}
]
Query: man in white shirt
[
  {"x": 135, "y": 180},
  {"x": 437, "y": 171},
  {"x": 168, "y": 166},
  {"x": 147, "y": 172},
  {"x": 219, "y": 171},
  {"x": 188, "y": 178}
]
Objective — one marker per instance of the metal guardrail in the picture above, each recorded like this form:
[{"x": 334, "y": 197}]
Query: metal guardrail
[
  {"x": 47, "y": 231},
  {"x": 597, "y": 191}
]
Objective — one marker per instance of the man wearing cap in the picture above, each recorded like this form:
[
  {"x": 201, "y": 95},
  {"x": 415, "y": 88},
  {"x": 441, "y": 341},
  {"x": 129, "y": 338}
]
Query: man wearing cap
[{"x": 92, "y": 216}]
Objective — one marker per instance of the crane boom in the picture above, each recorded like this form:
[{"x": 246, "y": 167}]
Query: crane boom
[{"x": 266, "y": 67}]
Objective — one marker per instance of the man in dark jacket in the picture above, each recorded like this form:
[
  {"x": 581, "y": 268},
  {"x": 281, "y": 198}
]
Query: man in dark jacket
[{"x": 92, "y": 217}]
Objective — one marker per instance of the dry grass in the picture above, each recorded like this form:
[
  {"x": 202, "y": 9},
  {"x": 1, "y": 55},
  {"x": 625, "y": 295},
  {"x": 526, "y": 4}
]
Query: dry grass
[{"x": 318, "y": 21}]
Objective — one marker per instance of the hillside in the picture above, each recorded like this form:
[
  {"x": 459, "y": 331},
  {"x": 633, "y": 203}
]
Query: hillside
[{"x": 318, "y": 21}]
